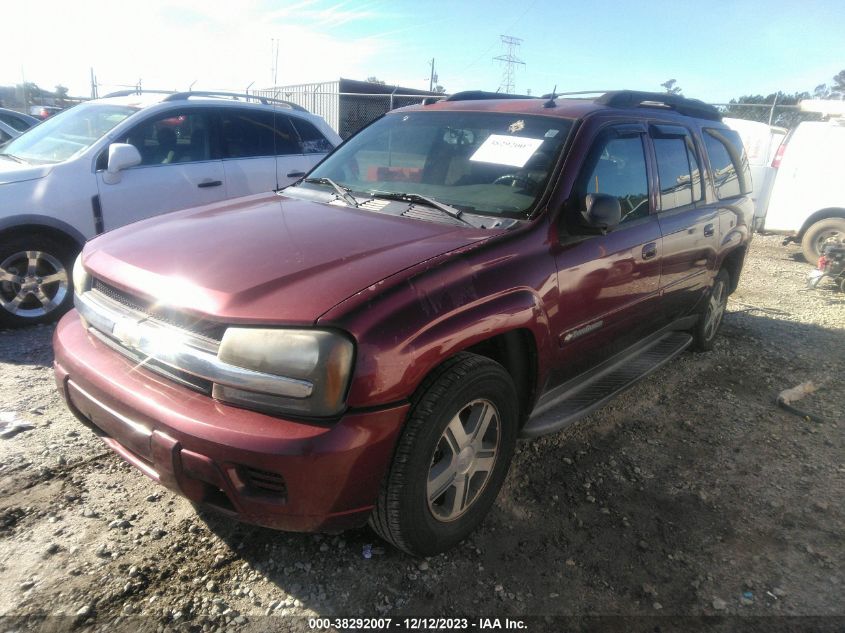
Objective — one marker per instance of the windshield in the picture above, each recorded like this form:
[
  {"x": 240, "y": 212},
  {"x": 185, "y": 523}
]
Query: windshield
[
  {"x": 67, "y": 134},
  {"x": 487, "y": 163}
]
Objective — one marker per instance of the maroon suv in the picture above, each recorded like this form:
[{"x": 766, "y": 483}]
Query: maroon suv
[{"x": 369, "y": 343}]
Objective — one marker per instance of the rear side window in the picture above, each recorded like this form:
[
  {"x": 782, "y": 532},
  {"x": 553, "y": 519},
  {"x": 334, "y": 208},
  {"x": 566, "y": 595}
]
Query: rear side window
[
  {"x": 313, "y": 142},
  {"x": 731, "y": 175},
  {"x": 251, "y": 133},
  {"x": 616, "y": 166},
  {"x": 677, "y": 170},
  {"x": 14, "y": 122}
]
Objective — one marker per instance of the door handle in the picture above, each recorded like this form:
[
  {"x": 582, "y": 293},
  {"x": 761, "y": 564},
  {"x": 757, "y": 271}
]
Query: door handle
[
  {"x": 649, "y": 250},
  {"x": 296, "y": 174},
  {"x": 210, "y": 183},
  {"x": 708, "y": 230}
]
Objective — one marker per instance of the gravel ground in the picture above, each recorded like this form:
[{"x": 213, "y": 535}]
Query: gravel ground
[{"x": 692, "y": 494}]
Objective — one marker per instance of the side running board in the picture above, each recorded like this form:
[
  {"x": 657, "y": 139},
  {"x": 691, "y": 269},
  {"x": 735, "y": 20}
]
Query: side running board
[{"x": 586, "y": 393}]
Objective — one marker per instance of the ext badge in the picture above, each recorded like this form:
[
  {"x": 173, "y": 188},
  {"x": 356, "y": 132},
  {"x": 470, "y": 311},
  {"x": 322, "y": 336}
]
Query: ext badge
[{"x": 581, "y": 331}]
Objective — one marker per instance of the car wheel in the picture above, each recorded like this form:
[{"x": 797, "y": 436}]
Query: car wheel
[
  {"x": 819, "y": 234},
  {"x": 711, "y": 319},
  {"x": 452, "y": 457},
  {"x": 35, "y": 280}
]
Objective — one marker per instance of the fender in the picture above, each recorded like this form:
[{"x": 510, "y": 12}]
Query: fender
[
  {"x": 31, "y": 219},
  {"x": 393, "y": 374}
]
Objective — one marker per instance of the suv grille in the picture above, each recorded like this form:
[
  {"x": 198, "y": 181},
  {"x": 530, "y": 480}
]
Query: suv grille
[{"x": 207, "y": 329}]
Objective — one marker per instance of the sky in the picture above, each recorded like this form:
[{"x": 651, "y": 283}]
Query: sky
[{"x": 715, "y": 50}]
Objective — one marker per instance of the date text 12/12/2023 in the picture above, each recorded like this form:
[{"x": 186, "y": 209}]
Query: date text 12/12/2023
[{"x": 416, "y": 624}]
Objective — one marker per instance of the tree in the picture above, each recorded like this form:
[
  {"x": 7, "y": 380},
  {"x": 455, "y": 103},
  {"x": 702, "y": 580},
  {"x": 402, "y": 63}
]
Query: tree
[
  {"x": 839, "y": 84},
  {"x": 783, "y": 117},
  {"x": 671, "y": 88},
  {"x": 29, "y": 93},
  {"x": 375, "y": 80},
  {"x": 61, "y": 95}
]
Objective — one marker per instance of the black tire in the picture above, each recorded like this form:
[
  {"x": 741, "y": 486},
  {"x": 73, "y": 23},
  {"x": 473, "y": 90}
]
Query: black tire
[
  {"x": 404, "y": 514},
  {"x": 707, "y": 328},
  {"x": 36, "y": 279},
  {"x": 818, "y": 234}
]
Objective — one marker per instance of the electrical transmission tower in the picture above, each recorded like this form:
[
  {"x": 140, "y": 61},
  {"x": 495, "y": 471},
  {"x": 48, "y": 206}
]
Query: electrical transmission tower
[{"x": 509, "y": 61}]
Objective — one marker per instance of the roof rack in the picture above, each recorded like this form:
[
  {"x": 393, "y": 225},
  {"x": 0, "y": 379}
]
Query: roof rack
[
  {"x": 638, "y": 99},
  {"x": 235, "y": 95},
  {"x": 182, "y": 96},
  {"x": 135, "y": 91},
  {"x": 477, "y": 95}
]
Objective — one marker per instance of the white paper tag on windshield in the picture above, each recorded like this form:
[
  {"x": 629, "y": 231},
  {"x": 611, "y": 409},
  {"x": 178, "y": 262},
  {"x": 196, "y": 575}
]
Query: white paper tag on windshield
[{"x": 506, "y": 150}]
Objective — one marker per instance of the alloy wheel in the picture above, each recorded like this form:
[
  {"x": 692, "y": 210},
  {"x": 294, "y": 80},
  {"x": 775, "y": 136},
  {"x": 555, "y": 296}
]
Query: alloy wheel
[
  {"x": 463, "y": 460},
  {"x": 32, "y": 284},
  {"x": 715, "y": 309}
]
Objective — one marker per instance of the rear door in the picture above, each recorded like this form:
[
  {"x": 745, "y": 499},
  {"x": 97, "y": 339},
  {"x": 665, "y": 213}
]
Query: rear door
[
  {"x": 608, "y": 284},
  {"x": 689, "y": 222},
  {"x": 180, "y": 167},
  {"x": 261, "y": 149}
]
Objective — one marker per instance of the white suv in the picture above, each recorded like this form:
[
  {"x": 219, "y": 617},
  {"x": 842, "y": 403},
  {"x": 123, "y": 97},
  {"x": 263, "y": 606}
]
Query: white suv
[{"x": 129, "y": 156}]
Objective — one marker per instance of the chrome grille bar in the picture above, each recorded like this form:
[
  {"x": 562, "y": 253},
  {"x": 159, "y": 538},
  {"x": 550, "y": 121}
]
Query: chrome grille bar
[{"x": 177, "y": 348}]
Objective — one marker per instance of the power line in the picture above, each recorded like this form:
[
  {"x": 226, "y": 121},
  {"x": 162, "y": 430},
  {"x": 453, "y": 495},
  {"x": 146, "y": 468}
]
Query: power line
[{"x": 509, "y": 61}]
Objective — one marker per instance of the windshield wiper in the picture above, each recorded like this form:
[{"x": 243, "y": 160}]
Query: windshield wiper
[
  {"x": 14, "y": 158},
  {"x": 342, "y": 192},
  {"x": 415, "y": 197}
]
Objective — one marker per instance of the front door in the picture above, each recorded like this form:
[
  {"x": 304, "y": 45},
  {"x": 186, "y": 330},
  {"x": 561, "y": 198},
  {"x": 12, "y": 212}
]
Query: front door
[
  {"x": 178, "y": 169},
  {"x": 608, "y": 284}
]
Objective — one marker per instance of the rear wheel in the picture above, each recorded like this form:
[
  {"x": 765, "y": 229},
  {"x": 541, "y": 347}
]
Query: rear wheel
[
  {"x": 35, "y": 280},
  {"x": 819, "y": 234},
  {"x": 711, "y": 319},
  {"x": 452, "y": 457}
]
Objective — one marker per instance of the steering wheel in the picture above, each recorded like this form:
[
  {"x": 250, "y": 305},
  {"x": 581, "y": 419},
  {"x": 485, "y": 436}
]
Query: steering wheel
[
  {"x": 632, "y": 208},
  {"x": 516, "y": 180}
]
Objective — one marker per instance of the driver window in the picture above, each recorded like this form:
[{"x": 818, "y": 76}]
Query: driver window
[
  {"x": 175, "y": 137},
  {"x": 617, "y": 166}
]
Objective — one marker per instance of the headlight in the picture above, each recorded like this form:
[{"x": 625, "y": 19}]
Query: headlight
[
  {"x": 81, "y": 279},
  {"x": 319, "y": 357}
]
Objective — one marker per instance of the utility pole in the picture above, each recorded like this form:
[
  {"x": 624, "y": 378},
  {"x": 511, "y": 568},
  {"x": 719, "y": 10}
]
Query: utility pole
[
  {"x": 433, "y": 77},
  {"x": 274, "y": 60},
  {"x": 509, "y": 61},
  {"x": 25, "y": 92},
  {"x": 94, "y": 94}
]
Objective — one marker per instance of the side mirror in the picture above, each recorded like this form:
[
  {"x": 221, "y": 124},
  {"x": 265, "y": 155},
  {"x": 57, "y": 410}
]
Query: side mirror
[
  {"x": 121, "y": 156},
  {"x": 601, "y": 211}
]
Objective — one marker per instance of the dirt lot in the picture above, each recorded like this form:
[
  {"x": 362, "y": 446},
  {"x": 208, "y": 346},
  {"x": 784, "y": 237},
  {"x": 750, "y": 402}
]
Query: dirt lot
[{"x": 691, "y": 495}]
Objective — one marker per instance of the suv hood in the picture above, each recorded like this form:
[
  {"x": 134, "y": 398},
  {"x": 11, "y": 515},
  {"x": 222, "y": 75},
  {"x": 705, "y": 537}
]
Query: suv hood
[
  {"x": 266, "y": 258},
  {"x": 11, "y": 171}
]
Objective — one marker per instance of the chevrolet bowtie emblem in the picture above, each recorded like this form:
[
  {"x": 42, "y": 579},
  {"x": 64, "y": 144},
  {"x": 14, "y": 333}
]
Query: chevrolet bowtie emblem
[{"x": 128, "y": 332}]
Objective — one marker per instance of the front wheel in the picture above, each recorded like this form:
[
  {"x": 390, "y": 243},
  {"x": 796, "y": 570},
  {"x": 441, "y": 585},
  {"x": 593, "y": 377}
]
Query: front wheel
[
  {"x": 35, "y": 280},
  {"x": 452, "y": 457},
  {"x": 704, "y": 334},
  {"x": 819, "y": 234}
]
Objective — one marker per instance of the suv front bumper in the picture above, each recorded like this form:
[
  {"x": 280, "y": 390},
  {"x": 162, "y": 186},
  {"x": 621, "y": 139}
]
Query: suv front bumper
[{"x": 257, "y": 468}]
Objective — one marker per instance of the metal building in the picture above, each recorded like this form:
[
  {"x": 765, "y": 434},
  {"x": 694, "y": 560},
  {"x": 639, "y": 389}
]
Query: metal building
[{"x": 346, "y": 104}]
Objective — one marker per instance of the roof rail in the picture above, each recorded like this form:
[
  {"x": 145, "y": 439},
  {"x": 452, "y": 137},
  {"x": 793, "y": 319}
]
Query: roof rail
[
  {"x": 134, "y": 91},
  {"x": 478, "y": 95},
  {"x": 178, "y": 96},
  {"x": 681, "y": 105}
]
